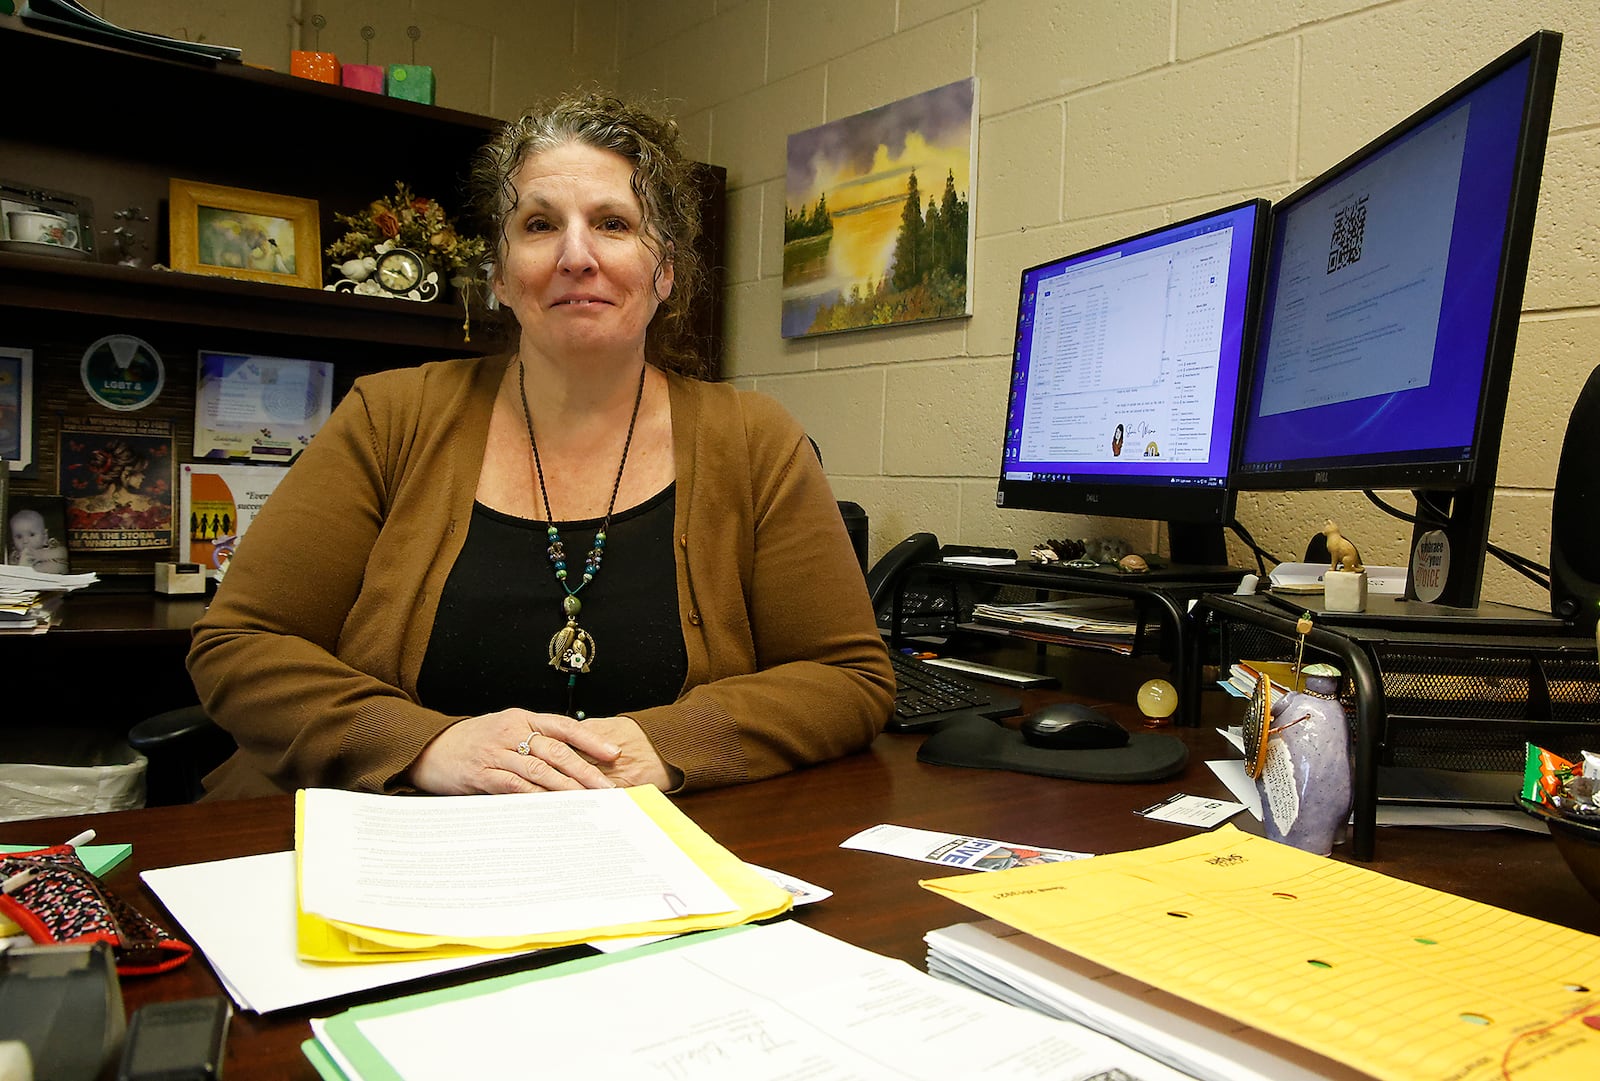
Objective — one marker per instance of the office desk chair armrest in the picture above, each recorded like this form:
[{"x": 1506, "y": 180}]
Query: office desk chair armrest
[
  {"x": 183, "y": 745},
  {"x": 166, "y": 730}
]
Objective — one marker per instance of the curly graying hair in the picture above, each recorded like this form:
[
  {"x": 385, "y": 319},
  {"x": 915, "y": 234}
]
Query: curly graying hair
[{"x": 662, "y": 181}]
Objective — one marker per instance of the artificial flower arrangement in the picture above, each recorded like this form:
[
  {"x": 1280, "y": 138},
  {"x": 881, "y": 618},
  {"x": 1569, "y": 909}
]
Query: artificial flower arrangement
[{"x": 403, "y": 220}]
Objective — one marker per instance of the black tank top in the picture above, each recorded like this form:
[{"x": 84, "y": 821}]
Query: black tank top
[{"x": 501, "y": 604}]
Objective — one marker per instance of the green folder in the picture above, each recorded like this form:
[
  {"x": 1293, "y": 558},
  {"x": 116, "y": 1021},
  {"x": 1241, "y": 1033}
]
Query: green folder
[
  {"x": 370, "y": 1065},
  {"x": 97, "y": 858}
]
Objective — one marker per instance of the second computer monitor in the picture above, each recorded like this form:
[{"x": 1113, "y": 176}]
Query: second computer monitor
[
  {"x": 1390, "y": 307},
  {"x": 1124, "y": 387}
]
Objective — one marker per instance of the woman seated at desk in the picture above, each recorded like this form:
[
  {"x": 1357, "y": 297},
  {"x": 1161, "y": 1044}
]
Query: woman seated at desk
[{"x": 413, "y": 609}]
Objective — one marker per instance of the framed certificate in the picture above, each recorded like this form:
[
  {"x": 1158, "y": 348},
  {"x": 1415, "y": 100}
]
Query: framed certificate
[{"x": 263, "y": 409}]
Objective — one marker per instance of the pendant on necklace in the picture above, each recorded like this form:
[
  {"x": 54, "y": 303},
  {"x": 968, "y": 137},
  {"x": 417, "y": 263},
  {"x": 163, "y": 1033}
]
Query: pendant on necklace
[{"x": 572, "y": 647}]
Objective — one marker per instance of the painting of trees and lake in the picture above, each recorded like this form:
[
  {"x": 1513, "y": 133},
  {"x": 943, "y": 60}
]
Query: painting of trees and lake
[{"x": 877, "y": 226}]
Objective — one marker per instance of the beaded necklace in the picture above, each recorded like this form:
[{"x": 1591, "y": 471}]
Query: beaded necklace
[{"x": 572, "y": 648}]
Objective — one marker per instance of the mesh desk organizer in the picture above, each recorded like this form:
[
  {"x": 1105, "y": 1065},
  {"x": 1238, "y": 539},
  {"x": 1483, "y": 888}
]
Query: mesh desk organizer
[
  {"x": 1164, "y": 624},
  {"x": 1445, "y": 697}
]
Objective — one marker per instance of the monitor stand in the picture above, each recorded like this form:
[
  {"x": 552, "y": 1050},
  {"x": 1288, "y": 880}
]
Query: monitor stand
[
  {"x": 1199, "y": 557},
  {"x": 1161, "y": 570},
  {"x": 1400, "y": 614},
  {"x": 1199, "y": 554}
]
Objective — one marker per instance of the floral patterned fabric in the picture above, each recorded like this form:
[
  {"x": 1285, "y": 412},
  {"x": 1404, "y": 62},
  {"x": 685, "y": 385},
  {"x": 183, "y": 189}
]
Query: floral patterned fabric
[{"x": 63, "y": 902}]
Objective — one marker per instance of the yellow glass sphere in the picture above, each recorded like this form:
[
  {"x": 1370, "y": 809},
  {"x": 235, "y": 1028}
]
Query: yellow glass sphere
[{"x": 1158, "y": 701}]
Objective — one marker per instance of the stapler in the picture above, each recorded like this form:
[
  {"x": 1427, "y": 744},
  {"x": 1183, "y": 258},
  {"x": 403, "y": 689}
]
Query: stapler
[{"x": 64, "y": 1004}]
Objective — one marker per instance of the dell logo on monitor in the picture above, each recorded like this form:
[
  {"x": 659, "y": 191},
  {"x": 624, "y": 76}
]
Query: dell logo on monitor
[
  {"x": 1319, "y": 478},
  {"x": 1091, "y": 497}
]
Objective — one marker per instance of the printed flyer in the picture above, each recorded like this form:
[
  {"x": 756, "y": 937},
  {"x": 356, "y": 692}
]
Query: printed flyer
[
  {"x": 954, "y": 849},
  {"x": 218, "y": 502}
]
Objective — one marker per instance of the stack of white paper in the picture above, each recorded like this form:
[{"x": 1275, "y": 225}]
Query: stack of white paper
[
  {"x": 26, "y": 578},
  {"x": 748, "y": 1004},
  {"x": 250, "y": 941},
  {"x": 1307, "y": 578},
  {"x": 1024, "y": 971}
]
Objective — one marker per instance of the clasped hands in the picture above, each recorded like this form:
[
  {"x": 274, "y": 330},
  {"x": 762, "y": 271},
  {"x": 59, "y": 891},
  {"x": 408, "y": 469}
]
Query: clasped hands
[{"x": 517, "y": 750}]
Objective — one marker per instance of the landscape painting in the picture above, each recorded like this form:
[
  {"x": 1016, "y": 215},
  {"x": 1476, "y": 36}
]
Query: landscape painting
[{"x": 877, "y": 229}]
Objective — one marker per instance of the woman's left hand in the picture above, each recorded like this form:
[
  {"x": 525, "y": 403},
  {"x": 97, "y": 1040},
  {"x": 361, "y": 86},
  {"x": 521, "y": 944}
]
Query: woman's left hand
[{"x": 638, "y": 762}]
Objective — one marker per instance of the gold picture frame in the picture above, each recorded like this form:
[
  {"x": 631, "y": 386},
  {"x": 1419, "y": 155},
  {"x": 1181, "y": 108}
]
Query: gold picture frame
[{"x": 248, "y": 235}]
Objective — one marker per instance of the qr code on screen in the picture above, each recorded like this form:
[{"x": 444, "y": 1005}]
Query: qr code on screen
[{"x": 1349, "y": 230}]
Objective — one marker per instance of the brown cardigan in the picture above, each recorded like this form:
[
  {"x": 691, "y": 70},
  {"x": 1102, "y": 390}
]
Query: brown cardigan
[{"x": 310, "y": 653}]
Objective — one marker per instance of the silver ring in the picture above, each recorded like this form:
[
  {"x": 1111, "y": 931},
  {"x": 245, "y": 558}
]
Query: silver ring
[{"x": 523, "y": 748}]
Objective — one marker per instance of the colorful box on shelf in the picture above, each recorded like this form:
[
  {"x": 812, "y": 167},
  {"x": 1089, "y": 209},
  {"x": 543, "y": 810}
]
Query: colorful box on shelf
[
  {"x": 368, "y": 77},
  {"x": 318, "y": 67},
  {"x": 411, "y": 82}
]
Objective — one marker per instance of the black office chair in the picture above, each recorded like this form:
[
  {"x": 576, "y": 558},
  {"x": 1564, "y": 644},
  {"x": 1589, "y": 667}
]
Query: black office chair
[
  {"x": 854, "y": 515},
  {"x": 855, "y": 524},
  {"x": 182, "y": 745},
  {"x": 1317, "y": 549}
]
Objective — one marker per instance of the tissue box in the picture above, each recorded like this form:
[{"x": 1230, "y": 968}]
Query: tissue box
[
  {"x": 368, "y": 77},
  {"x": 318, "y": 67},
  {"x": 412, "y": 82},
  {"x": 180, "y": 578}
]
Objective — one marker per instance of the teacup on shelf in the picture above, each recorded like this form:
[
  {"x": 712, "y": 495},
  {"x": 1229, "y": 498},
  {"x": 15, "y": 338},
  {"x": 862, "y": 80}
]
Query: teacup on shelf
[{"x": 38, "y": 227}]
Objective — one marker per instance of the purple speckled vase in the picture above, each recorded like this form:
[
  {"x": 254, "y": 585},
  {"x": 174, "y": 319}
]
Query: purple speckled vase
[{"x": 1305, "y": 787}]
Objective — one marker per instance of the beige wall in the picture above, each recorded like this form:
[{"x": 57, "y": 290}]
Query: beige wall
[{"x": 1098, "y": 118}]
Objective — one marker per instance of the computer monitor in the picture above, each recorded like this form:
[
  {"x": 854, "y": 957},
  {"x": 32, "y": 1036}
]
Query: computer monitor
[
  {"x": 1389, "y": 315},
  {"x": 1125, "y": 379}
]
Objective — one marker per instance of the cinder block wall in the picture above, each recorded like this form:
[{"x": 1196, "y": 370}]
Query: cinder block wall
[{"x": 1098, "y": 118}]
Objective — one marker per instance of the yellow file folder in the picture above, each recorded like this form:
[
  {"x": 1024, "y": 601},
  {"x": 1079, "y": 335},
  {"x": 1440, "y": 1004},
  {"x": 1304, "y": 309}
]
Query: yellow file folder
[
  {"x": 1401, "y": 981},
  {"x": 754, "y": 898}
]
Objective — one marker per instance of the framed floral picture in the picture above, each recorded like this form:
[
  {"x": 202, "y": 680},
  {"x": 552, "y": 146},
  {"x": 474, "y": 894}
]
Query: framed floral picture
[{"x": 250, "y": 235}]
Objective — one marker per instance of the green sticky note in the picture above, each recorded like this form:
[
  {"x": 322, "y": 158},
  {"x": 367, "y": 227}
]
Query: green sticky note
[
  {"x": 97, "y": 858},
  {"x": 409, "y": 82}
]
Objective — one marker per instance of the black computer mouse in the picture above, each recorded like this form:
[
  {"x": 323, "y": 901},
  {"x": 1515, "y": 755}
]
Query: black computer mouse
[{"x": 1067, "y": 726}]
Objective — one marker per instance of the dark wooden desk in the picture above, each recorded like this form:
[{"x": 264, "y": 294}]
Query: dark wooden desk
[
  {"x": 795, "y": 823},
  {"x": 114, "y": 657},
  {"x": 92, "y": 617}
]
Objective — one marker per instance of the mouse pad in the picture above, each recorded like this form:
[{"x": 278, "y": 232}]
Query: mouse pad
[{"x": 982, "y": 744}]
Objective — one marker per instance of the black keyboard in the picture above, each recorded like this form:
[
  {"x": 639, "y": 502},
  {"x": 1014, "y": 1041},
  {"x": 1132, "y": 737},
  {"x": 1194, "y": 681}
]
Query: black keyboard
[{"x": 926, "y": 696}]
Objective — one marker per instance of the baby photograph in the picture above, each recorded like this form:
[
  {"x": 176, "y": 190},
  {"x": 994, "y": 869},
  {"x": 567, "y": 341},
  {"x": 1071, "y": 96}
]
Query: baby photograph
[{"x": 36, "y": 530}]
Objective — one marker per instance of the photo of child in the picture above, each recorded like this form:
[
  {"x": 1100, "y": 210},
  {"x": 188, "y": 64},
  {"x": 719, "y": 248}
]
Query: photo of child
[{"x": 33, "y": 531}]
